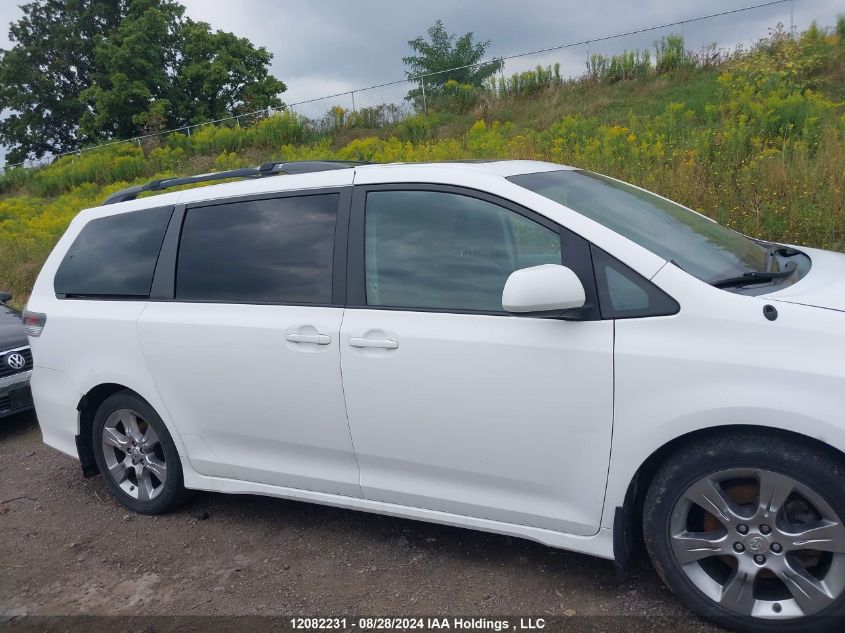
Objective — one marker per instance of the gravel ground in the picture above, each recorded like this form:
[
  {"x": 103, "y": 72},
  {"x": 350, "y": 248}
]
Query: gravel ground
[{"x": 68, "y": 548}]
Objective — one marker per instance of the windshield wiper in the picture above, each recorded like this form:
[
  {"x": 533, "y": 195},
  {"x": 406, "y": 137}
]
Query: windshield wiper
[{"x": 755, "y": 277}]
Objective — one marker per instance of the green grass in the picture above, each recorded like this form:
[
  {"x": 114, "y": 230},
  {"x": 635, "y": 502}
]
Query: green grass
[{"x": 757, "y": 142}]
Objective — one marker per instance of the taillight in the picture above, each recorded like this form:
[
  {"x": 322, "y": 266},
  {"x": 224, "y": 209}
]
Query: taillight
[{"x": 34, "y": 322}]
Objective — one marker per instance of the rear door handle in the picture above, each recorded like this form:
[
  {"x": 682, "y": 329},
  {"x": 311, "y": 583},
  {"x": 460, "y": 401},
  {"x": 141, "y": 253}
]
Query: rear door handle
[
  {"x": 314, "y": 339},
  {"x": 377, "y": 343}
]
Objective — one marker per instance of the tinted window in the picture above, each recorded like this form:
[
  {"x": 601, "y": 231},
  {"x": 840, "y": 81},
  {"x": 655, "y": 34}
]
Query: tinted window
[
  {"x": 427, "y": 249},
  {"x": 259, "y": 251},
  {"x": 114, "y": 256},
  {"x": 625, "y": 294}
]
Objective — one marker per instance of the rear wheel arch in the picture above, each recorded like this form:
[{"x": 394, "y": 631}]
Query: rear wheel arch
[
  {"x": 87, "y": 408},
  {"x": 628, "y": 538}
]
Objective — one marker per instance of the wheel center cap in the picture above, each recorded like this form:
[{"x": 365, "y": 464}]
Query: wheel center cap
[{"x": 756, "y": 544}]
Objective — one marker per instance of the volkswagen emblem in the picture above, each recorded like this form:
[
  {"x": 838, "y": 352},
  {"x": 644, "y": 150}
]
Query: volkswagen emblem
[{"x": 16, "y": 361}]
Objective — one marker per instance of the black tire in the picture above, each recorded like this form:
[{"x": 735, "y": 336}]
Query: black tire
[
  {"x": 816, "y": 468},
  {"x": 170, "y": 492}
]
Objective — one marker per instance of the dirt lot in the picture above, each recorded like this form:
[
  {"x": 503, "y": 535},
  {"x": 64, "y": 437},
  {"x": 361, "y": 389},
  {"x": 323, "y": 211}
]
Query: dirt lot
[{"x": 67, "y": 547}]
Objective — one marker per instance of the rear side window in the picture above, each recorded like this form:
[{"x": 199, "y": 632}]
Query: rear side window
[
  {"x": 114, "y": 256},
  {"x": 278, "y": 250}
]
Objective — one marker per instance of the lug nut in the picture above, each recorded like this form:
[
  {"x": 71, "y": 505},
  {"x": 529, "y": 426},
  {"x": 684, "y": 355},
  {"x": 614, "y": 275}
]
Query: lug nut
[
  {"x": 776, "y": 548},
  {"x": 742, "y": 528},
  {"x": 739, "y": 547},
  {"x": 765, "y": 529},
  {"x": 760, "y": 559}
]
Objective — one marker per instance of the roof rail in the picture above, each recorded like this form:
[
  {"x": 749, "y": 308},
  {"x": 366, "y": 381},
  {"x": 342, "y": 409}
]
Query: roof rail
[{"x": 267, "y": 169}]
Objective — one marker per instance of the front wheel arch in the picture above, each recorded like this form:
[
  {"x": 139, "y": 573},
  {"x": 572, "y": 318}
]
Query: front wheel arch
[
  {"x": 746, "y": 529},
  {"x": 627, "y": 525}
]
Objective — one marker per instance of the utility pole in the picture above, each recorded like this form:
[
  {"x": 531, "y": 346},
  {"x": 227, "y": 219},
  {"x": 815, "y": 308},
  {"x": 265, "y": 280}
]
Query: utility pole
[
  {"x": 425, "y": 105},
  {"x": 791, "y": 18}
]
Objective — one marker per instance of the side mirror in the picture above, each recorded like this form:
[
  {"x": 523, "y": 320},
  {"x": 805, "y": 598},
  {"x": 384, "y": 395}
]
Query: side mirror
[
  {"x": 547, "y": 290},
  {"x": 4, "y": 296}
]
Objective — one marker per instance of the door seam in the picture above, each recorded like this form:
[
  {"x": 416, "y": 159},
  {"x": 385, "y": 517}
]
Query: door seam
[
  {"x": 604, "y": 507},
  {"x": 345, "y": 404}
]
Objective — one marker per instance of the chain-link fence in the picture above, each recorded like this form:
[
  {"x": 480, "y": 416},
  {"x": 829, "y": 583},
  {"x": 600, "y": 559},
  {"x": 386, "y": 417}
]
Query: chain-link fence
[{"x": 619, "y": 56}]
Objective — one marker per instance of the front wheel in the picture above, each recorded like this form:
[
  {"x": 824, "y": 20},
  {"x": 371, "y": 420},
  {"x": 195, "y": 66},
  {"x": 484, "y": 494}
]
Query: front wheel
[
  {"x": 747, "y": 531},
  {"x": 136, "y": 455}
]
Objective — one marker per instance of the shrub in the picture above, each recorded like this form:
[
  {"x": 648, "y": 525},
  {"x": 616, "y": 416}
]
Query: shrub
[
  {"x": 418, "y": 128},
  {"x": 670, "y": 54},
  {"x": 628, "y": 65},
  {"x": 455, "y": 97},
  {"x": 376, "y": 116},
  {"x": 527, "y": 83},
  {"x": 15, "y": 178}
]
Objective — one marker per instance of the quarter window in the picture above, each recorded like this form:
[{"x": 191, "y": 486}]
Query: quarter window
[
  {"x": 444, "y": 251},
  {"x": 624, "y": 294},
  {"x": 276, "y": 250},
  {"x": 114, "y": 256}
]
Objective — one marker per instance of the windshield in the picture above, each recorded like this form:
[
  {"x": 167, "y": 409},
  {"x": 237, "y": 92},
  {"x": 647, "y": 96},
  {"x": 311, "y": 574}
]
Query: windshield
[{"x": 701, "y": 247}]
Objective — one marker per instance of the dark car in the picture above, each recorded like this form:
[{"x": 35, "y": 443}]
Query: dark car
[{"x": 15, "y": 361}]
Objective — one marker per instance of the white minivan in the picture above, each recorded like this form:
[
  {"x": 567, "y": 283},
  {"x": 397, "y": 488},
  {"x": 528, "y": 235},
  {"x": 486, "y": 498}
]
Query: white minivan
[{"x": 511, "y": 346}]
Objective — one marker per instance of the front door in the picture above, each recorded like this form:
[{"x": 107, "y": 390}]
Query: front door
[
  {"x": 246, "y": 355},
  {"x": 453, "y": 404}
]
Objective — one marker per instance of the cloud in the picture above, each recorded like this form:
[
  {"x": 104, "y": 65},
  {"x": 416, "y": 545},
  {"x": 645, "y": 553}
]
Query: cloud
[
  {"x": 330, "y": 46},
  {"x": 337, "y": 43}
]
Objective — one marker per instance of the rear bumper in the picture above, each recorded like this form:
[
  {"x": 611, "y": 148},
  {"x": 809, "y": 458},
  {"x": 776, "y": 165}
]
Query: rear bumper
[
  {"x": 55, "y": 405},
  {"x": 15, "y": 394}
]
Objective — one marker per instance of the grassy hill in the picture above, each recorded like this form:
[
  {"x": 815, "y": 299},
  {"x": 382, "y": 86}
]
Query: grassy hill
[{"x": 755, "y": 139}]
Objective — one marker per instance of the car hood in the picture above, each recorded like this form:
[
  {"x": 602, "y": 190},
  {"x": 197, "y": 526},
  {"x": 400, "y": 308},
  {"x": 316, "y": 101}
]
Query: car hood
[
  {"x": 12, "y": 333},
  {"x": 822, "y": 287}
]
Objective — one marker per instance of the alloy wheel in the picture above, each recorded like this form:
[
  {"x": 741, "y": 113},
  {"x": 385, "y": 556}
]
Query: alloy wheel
[
  {"x": 134, "y": 455},
  {"x": 759, "y": 543}
]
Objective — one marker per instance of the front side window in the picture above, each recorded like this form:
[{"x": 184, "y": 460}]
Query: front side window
[
  {"x": 700, "y": 246},
  {"x": 114, "y": 256},
  {"x": 276, "y": 250},
  {"x": 445, "y": 251}
]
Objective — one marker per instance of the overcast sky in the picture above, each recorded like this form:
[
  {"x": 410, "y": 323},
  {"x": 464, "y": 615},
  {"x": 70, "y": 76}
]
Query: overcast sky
[{"x": 330, "y": 46}]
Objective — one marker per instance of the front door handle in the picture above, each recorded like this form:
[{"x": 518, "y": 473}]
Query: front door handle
[
  {"x": 376, "y": 343},
  {"x": 314, "y": 339}
]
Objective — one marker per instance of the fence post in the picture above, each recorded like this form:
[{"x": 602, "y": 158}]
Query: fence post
[
  {"x": 791, "y": 18},
  {"x": 353, "y": 100},
  {"x": 425, "y": 105}
]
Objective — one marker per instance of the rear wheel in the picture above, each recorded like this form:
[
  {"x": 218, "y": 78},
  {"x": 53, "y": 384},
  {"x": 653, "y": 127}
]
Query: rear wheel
[
  {"x": 136, "y": 455},
  {"x": 748, "y": 530}
]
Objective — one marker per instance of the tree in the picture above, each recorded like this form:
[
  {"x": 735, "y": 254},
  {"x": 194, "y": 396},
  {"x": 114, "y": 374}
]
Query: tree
[
  {"x": 449, "y": 57},
  {"x": 221, "y": 74},
  {"x": 83, "y": 71},
  {"x": 132, "y": 69},
  {"x": 43, "y": 74}
]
